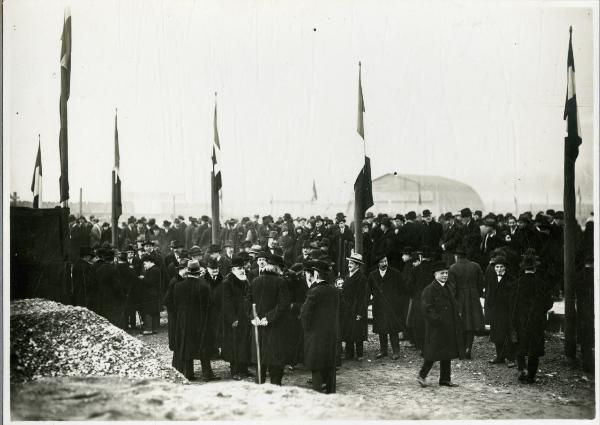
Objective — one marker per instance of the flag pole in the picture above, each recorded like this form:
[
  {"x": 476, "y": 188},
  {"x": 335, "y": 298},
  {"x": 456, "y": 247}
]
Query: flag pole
[
  {"x": 571, "y": 151},
  {"x": 358, "y": 188},
  {"x": 41, "y": 179},
  {"x": 80, "y": 202},
  {"x": 214, "y": 191}
]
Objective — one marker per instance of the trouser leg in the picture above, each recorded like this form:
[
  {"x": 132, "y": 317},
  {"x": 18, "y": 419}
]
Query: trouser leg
[
  {"x": 359, "y": 349},
  {"x": 155, "y": 322},
  {"x": 521, "y": 363},
  {"x": 188, "y": 367},
  {"x": 276, "y": 374},
  {"x": 317, "y": 380},
  {"x": 206, "y": 367},
  {"x": 383, "y": 343},
  {"x": 445, "y": 371},
  {"x": 329, "y": 379},
  {"x": 469, "y": 337},
  {"x": 349, "y": 349},
  {"x": 427, "y": 365},
  {"x": 532, "y": 366},
  {"x": 395, "y": 342},
  {"x": 499, "y": 350},
  {"x": 147, "y": 323}
]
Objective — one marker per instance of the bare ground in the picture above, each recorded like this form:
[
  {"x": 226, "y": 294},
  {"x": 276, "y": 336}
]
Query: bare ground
[{"x": 373, "y": 389}]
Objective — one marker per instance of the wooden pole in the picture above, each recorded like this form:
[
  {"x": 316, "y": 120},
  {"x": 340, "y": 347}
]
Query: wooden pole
[
  {"x": 358, "y": 207},
  {"x": 214, "y": 200},
  {"x": 569, "y": 230},
  {"x": 113, "y": 218}
]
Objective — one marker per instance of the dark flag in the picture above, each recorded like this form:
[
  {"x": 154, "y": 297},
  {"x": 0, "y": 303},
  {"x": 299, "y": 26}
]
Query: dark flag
[
  {"x": 216, "y": 154},
  {"x": 36, "y": 182},
  {"x": 314, "y": 196},
  {"x": 117, "y": 206},
  {"x": 65, "y": 87},
  {"x": 573, "y": 139},
  {"x": 361, "y": 106},
  {"x": 363, "y": 189}
]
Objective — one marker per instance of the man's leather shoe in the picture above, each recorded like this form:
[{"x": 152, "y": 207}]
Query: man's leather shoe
[
  {"x": 422, "y": 381},
  {"x": 522, "y": 375},
  {"x": 380, "y": 355},
  {"x": 496, "y": 361},
  {"x": 448, "y": 384},
  {"x": 395, "y": 356}
]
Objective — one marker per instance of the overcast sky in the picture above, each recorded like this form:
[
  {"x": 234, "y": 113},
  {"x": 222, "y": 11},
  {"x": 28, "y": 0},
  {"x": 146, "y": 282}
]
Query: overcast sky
[{"x": 472, "y": 91}]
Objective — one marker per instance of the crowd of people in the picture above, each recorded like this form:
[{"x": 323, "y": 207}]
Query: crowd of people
[{"x": 292, "y": 291}]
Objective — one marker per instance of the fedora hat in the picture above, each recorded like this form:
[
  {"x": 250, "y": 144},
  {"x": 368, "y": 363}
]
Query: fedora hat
[{"x": 356, "y": 258}]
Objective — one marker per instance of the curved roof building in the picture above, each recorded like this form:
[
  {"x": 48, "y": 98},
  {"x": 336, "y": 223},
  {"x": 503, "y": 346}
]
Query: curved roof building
[{"x": 400, "y": 193}]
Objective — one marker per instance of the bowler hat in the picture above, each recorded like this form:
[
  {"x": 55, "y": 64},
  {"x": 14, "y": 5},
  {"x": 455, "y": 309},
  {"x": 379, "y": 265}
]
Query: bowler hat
[
  {"x": 448, "y": 216},
  {"x": 559, "y": 215},
  {"x": 499, "y": 260},
  {"x": 195, "y": 251},
  {"x": 407, "y": 250},
  {"x": 319, "y": 265},
  {"x": 466, "y": 213},
  {"x": 214, "y": 248},
  {"x": 426, "y": 213},
  {"x": 287, "y": 216},
  {"x": 411, "y": 215},
  {"x": 276, "y": 260},
  {"x": 438, "y": 266},
  {"x": 212, "y": 264},
  {"x": 237, "y": 261},
  {"x": 369, "y": 215},
  {"x": 529, "y": 262},
  {"x": 378, "y": 256}
]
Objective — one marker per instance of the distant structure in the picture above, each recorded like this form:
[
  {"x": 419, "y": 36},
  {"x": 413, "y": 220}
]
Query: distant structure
[{"x": 399, "y": 193}]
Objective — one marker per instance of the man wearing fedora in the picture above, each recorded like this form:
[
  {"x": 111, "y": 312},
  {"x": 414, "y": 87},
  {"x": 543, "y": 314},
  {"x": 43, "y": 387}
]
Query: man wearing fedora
[
  {"x": 150, "y": 294},
  {"x": 387, "y": 287},
  {"x": 469, "y": 282},
  {"x": 500, "y": 301},
  {"x": 127, "y": 279},
  {"x": 354, "y": 308},
  {"x": 443, "y": 329},
  {"x": 431, "y": 232},
  {"x": 471, "y": 234},
  {"x": 83, "y": 278},
  {"x": 320, "y": 321},
  {"x": 451, "y": 238},
  {"x": 422, "y": 275},
  {"x": 533, "y": 300},
  {"x": 269, "y": 291}
]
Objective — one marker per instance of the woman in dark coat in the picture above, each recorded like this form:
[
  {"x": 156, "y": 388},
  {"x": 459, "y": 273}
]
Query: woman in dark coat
[
  {"x": 387, "y": 293},
  {"x": 533, "y": 300},
  {"x": 150, "y": 299},
  {"x": 270, "y": 293},
  {"x": 189, "y": 300},
  {"x": 443, "y": 328},
  {"x": 237, "y": 329},
  {"x": 320, "y": 321},
  {"x": 500, "y": 300},
  {"x": 354, "y": 308}
]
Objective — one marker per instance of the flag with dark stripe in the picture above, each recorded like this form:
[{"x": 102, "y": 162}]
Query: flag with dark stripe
[
  {"x": 117, "y": 206},
  {"x": 216, "y": 153},
  {"x": 36, "y": 182},
  {"x": 573, "y": 139}
]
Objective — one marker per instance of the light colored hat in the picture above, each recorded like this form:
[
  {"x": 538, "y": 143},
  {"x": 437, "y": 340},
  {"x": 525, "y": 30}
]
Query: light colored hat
[{"x": 356, "y": 258}]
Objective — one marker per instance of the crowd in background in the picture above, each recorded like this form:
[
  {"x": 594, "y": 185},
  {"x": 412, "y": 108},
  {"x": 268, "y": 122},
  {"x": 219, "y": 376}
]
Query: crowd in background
[{"x": 487, "y": 256}]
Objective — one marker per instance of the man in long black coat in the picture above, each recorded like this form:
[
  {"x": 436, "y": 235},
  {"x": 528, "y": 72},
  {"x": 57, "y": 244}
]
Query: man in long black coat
[
  {"x": 500, "y": 301},
  {"x": 422, "y": 275},
  {"x": 237, "y": 329},
  {"x": 354, "y": 308},
  {"x": 150, "y": 294},
  {"x": 179, "y": 276},
  {"x": 128, "y": 282},
  {"x": 83, "y": 278},
  {"x": 431, "y": 233},
  {"x": 443, "y": 331},
  {"x": 387, "y": 288},
  {"x": 451, "y": 239},
  {"x": 533, "y": 300},
  {"x": 109, "y": 295},
  {"x": 270, "y": 292},
  {"x": 342, "y": 243},
  {"x": 320, "y": 320},
  {"x": 297, "y": 288},
  {"x": 469, "y": 283},
  {"x": 216, "y": 321},
  {"x": 189, "y": 300}
]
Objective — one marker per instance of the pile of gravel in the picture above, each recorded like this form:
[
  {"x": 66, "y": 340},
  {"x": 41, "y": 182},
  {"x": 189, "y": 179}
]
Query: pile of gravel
[{"x": 53, "y": 339}]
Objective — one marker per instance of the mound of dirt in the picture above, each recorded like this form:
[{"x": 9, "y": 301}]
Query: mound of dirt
[{"x": 51, "y": 339}]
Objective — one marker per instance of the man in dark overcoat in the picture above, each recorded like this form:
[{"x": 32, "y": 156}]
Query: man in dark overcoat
[
  {"x": 127, "y": 280},
  {"x": 431, "y": 233},
  {"x": 471, "y": 234},
  {"x": 422, "y": 275},
  {"x": 320, "y": 321},
  {"x": 500, "y": 301},
  {"x": 216, "y": 321},
  {"x": 443, "y": 329},
  {"x": 189, "y": 301},
  {"x": 150, "y": 294},
  {"x": 469, "y": 283},
  {"x": 354, "y": 308},
  {"x": 297, "y": 288},
  {"x": 237, "y": 329},
  {"x": 179, "y": 276},
  {"x": 342, "y": 243},
  {"x": 410, "y": 233},
  {"x": 83, "y": 279},
  {"x": 451, "y": 238},
  {"x": 109, "y": 295},
  {"x": 387, "y": 288},
  {"x": 533, "y": 300},
  {"x": 270, "y": 292}
]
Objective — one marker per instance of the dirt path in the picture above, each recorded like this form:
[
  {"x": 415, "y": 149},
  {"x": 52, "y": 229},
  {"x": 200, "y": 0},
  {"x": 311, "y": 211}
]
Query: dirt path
[{"x": 373, "y": 389}]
